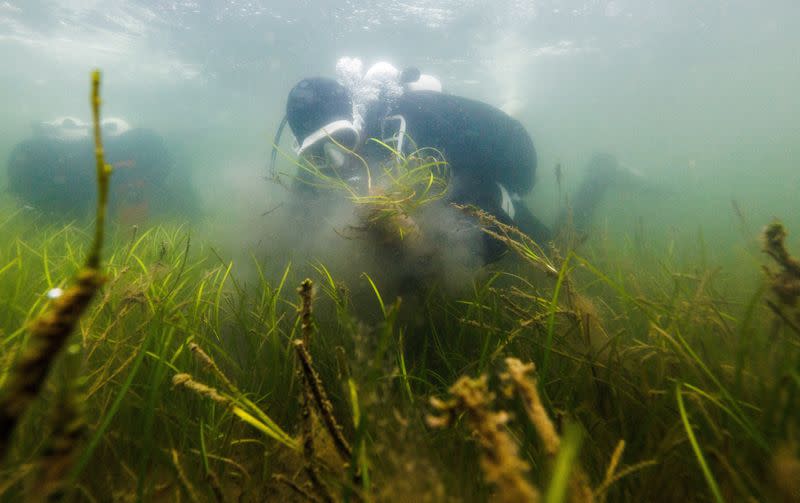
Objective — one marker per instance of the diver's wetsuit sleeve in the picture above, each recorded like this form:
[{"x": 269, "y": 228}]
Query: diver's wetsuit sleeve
[
  {"x": 478, "y": 140},
  {"x": 484, "y": 147}
]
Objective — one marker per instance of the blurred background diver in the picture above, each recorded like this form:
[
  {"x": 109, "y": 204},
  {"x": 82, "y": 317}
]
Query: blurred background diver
[{"x": 54, "y": 171}]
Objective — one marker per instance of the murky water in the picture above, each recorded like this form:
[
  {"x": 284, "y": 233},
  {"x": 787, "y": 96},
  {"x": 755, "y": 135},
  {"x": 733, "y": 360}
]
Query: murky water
[{"x": 698, "y": 97}]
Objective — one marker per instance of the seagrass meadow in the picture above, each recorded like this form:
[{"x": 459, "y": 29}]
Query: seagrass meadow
[{"x": 598, "y": 371}]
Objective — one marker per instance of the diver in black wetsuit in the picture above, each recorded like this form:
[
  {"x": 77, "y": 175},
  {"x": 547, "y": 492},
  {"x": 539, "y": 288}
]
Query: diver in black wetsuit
[{"x": 491, "y": 158}]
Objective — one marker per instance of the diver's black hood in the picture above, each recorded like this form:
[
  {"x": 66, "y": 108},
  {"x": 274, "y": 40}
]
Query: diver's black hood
[{"x": 314, "y": 103}]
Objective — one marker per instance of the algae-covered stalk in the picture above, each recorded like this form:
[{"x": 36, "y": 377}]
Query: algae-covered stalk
[
  {"x": 49, "y": 332},
  {"x": 103, "y": 177}
]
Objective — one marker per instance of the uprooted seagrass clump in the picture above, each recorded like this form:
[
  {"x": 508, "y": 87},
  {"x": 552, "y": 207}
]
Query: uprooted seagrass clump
[{"x": 387, "y": 198}]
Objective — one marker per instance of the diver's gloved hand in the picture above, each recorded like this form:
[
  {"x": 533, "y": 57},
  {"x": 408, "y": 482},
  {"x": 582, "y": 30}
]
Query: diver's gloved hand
[{"x": 385, "y": 226}]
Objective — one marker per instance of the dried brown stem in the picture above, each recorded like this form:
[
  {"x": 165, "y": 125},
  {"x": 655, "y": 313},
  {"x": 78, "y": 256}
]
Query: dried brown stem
[
  {"x": 774, "y": 237},
  {"x": 188, "y": 382},
  {"x": 305, "y": 292},
  {"x": 786, "y": 283},
  {"x": 500, "y": 460},
  {"x": 516, "y": 240},
  {"x": 321, "y": 402},
  {"x": 579, "y": 488},
  {"x": 208, "y": 362},
  {"x": 532, "y": 402}
]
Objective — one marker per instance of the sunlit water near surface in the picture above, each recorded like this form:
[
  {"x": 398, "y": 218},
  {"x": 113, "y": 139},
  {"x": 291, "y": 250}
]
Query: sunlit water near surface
[{"x": 699, "y": 97}]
